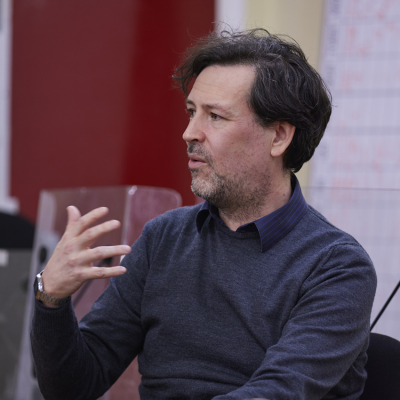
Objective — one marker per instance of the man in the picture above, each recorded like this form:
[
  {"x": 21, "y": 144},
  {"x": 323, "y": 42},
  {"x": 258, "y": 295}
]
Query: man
[{"x": 253, "y": 293}]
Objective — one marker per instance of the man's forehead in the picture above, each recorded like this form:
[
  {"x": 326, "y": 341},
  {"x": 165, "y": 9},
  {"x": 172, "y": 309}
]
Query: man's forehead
[{"x": 218, "y": 85}]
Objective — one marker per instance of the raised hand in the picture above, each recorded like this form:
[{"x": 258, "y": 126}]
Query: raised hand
[{"x": 71, "y": 264}]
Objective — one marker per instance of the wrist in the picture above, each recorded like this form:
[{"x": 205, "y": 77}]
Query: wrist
[{"x": 47, "y": 299}]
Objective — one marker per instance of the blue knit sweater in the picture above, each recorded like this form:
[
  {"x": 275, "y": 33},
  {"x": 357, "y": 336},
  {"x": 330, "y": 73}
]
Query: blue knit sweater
[{"x": 213, "y": 317}]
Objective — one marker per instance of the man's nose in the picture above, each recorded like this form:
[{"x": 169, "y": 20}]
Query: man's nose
[{"x": 194, "y": 131}]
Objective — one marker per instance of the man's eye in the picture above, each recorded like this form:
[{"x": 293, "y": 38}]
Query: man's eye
[
  {"x": 190, "y": 112},
  {"x": 215, "y": 117}
]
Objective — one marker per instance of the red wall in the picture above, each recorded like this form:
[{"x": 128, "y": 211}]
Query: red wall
[{"x": 92, "y": 97}]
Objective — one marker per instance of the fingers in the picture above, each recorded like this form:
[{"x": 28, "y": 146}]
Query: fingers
[
  {"x": 65, "y": 273},
  {"x": 102, "y": 272},
  {"x": 102, "y": 252},
  {"x": 92, "y": 234},
  {"x": 78, "y": 224},
  {"x": 73, "y": 215},
  {"x": 71, "y": 263}
]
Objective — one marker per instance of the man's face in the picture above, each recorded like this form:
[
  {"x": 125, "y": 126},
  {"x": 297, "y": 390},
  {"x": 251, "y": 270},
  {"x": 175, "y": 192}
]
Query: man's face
[{"x": 229, "y": 151}]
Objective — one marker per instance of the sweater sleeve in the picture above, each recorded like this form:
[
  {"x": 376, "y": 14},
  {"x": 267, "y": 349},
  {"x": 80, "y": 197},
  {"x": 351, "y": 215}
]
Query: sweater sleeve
[
  {"x": 82, "y": 361},
  {"x": 323, "y": 344}
]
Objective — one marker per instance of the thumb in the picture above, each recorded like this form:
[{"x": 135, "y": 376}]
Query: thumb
[{"x": 73, "y": 215}]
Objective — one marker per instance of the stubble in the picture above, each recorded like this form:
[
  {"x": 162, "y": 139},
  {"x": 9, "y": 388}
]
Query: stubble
[{"x": 236, "y": 195}]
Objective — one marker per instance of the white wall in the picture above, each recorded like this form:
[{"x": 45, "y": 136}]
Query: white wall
[{"x": 232, "y": 13}]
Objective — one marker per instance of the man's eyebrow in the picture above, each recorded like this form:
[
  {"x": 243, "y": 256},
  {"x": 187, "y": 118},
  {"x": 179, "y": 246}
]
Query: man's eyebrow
[
  {"x": 213, "y": 106},
  {"x": 189, "y": 102}
]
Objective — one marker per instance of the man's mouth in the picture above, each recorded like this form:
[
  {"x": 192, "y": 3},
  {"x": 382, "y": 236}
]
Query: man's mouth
[
  {"x": 197, "y": 156},
  {"x": 196, "y": 161}
]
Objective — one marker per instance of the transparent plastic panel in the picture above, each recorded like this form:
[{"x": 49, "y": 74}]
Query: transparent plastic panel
[
  {"x": 143, "y": 204},
  {"x": 133, "y": 206}
]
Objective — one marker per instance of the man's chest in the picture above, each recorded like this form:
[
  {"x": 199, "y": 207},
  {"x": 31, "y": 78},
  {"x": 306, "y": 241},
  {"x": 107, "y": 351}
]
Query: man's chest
[{"x": 211, "y": 301}]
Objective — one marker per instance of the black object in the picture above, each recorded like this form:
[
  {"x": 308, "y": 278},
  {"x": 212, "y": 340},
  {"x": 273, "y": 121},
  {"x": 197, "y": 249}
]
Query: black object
[
  {"x": 42, "y": 255},
  {"x": 16, "y": 232},
  {"x": 383, "y": 368}
]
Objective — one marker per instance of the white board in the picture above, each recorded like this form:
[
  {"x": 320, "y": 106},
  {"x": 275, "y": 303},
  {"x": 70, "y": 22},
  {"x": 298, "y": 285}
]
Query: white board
[{"x": 361, "y": 149}]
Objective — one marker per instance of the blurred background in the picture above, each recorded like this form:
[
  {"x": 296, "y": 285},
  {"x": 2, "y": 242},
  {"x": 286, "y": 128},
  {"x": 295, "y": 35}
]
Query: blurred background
[
  {"x": 86, "y": 100},
  {"x": 87, "y": 91}
]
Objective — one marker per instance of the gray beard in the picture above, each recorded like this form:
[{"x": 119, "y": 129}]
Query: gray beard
[
  {"x": 234, "y": 197},
  {"x": 222, "y": 193}
]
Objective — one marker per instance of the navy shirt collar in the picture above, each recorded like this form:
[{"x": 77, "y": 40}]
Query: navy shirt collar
[{"x": 271, "y": 228}]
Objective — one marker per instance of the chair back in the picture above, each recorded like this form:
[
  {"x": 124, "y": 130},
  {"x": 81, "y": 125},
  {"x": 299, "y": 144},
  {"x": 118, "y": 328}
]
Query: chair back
[{"x": 383, "y": 368}]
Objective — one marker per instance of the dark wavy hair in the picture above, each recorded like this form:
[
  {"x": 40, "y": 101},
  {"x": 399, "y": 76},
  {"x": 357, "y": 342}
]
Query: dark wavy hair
[{"x": 286, "y": 87}]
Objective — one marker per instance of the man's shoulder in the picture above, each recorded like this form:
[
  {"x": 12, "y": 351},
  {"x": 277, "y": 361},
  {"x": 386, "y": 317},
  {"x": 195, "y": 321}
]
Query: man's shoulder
[
  {"x": 315, "y": 228},
  {"x": 334, "y": 251},
  {"x": 316, "y": 222}
]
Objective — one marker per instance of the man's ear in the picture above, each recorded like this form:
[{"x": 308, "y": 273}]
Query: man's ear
[{"x": 284, "y": 133}]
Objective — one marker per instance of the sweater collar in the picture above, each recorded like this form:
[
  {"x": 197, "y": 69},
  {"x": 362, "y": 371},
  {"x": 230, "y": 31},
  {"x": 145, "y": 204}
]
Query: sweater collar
[{"x": 272, "y": 227}]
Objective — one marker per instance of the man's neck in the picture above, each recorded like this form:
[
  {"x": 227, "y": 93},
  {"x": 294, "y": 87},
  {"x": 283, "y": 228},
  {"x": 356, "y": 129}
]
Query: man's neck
[{"x": 278, "y": 195}]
